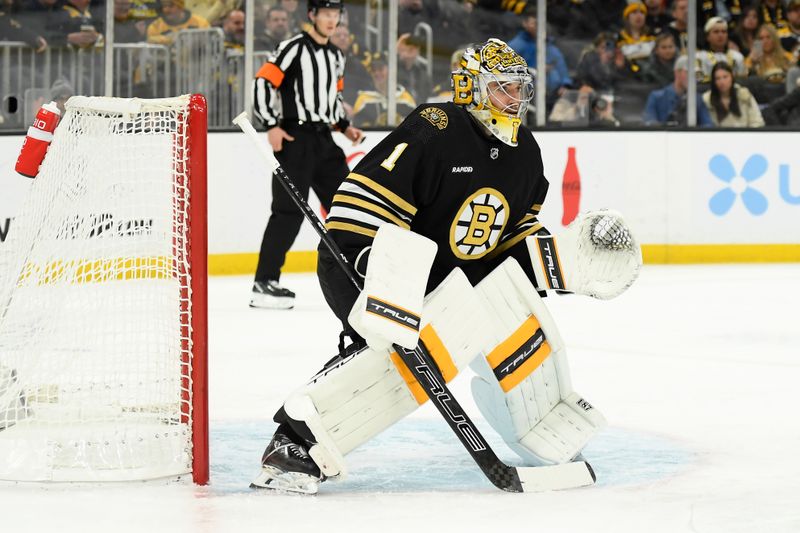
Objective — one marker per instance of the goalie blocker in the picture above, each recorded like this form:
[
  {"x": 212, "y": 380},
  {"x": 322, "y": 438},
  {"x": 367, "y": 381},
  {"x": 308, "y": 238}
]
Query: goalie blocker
[{"x": 523, "y": 388}]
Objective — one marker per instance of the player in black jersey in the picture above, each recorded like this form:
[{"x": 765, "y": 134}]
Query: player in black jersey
[{"x": 466, "y": 175}]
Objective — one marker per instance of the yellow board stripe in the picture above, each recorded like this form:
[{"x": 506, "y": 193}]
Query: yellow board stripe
[
  {"x": 344, "y": 226},
  {"x": 720, "y": 253},
  {"x": 343, "y": 199},
  {"x": 442, "y": 358},
  {"x": 503, "y": 350},
  {"x": 526, "y": 369},
  {"x": 653, "y": 254},
  {"x": 383, "y": 191}
]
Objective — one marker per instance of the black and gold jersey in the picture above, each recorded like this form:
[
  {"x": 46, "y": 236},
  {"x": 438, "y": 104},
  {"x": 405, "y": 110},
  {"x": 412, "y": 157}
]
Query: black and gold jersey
[{"x": 439, "y": 175}]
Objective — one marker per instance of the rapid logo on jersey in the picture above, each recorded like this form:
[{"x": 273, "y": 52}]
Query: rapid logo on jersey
[
  {"x": 479, "y": 224},
  {"x": 393, "y": 313}
]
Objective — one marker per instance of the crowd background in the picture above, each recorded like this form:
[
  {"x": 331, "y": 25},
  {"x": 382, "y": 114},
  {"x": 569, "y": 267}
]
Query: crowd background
[{"x": 607, "y": 63}]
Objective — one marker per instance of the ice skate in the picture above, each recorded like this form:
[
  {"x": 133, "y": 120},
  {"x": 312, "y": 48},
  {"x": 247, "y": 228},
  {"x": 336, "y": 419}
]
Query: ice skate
[
  {"x": 286, "y": 466},
  {"x": 269, "y": 295}
]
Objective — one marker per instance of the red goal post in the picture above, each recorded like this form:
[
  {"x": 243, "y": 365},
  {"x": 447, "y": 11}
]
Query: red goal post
[{"x": 103, "y": 299}]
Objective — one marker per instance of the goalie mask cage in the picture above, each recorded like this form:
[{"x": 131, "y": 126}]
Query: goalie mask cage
[{"x": 103, "y": 333}]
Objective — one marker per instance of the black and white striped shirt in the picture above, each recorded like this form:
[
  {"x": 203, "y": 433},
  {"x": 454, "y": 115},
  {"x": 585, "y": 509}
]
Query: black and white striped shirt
[{"x": 309, "y": 77}]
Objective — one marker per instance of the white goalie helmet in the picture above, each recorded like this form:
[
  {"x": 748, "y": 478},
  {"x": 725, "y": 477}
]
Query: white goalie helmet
[{"x": 494, "y": 83}]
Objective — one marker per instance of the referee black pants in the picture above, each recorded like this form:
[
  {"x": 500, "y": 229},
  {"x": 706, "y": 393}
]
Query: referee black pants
[{"x": 312, "y": 160}]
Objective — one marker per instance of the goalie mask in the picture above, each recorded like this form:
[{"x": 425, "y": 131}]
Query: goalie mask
[{"x": 494, "y": 84}]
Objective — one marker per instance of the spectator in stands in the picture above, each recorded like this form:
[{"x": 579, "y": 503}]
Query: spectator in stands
[
  {"x": 145, "y": 10},
  {"x": 233, "y": 27},
  {"x": 657, "y": 17},
  {"x": 728, "y": 10},
  {"x": 602, "y": 66},
  {"x": 356, "y": 77},
  {"x": 659, "y": 68},
  {"x": 746, "y": 32},
  {"x": 442, "y": 92},
  {"x": 60, "y": 92},
  {"x": 126, "y": 28},
  {"x": 411, "y": 73},
  {"x": 716, "y": 30},
  {"x": 602, "y": 112},
  {"x": 590, "y": 17},
  {"x": 784, "y": 111},
  {"x": 679, "y": 27},
  {"x": 14, "y": 29},
  {"x": 39, "y": 16},
  {"x": 370, "y": 109},
  {"x": 276, "y": 29},
  {"x": 76, "y": 26},
  {"x": 214, "y": 11},
  {"x": 295, "y": 17},
  {"x": 524, "y": 43},
  {"x": 412, "y": 12},
  {"x": 730, "y": 104},
  {"x": 667, "y": 106},
  {"x": 773, "y": 12},
  {"x": 635, "y": 40},
  {"x": 768, "y": 60},
  {"x": 174, "y": 18},
  {"x": 573, "y": 107},
  {"x": 790, "y": 34}
]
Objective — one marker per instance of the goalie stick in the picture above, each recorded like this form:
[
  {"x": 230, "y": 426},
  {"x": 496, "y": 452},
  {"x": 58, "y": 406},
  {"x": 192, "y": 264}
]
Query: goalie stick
[{"x": 424, "y": 370}]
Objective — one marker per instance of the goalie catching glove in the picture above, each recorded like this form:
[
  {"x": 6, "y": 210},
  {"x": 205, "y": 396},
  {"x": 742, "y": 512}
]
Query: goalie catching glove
[
  {"x": 388, "y": 309},
  {"x": 596, "y": 255}
]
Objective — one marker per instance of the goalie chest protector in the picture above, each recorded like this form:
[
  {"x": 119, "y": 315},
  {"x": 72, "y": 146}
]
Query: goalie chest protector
[{"x": 440, "y": 175}]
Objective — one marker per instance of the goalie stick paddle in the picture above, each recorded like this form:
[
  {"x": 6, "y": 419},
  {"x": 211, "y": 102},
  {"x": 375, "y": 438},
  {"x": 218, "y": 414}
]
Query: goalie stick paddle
[{"x": 424, "y": 370}]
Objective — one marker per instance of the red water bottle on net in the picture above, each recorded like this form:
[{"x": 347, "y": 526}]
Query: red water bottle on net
[
  {"x": 571, "y": 188},
  {"x": 36, "y": 143}
]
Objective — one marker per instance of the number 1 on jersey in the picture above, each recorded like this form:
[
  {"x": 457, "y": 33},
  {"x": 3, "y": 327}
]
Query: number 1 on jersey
[{"x": 390, "y": 161}]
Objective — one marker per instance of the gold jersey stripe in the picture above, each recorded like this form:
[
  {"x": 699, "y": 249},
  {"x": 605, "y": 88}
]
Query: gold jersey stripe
[
  {"x": 526, "y": 369},
  {"x": 383, "y": 191},
  {"x": 515, "y": 239},
  {"x": 344, "y": 226},
  {"x": 344, "y": 199}
]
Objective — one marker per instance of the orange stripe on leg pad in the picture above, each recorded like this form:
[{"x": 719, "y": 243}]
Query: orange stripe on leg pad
[
  {"x": 271, "y": 73},
  {"x": 513, "y": 342},
  {"x": 519, "y": 355},
  {"x": 440, "y": 356}
]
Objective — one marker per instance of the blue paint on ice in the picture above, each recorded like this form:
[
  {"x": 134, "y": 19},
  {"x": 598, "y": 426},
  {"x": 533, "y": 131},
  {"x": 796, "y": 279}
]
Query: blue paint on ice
[{"x": 419, "y": 455}]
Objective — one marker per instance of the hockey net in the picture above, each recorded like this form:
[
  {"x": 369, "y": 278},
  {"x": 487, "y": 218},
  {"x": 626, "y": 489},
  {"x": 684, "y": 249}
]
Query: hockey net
[{"x": 103, "y": 300}]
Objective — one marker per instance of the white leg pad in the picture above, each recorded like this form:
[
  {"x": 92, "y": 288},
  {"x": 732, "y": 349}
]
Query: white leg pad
[
  {"x": 523, "y": 387},
  {"x": 348, "y": 404}
]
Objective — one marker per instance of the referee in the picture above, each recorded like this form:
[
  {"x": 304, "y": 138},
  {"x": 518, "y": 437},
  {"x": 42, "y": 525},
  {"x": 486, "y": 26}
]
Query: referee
[{"x": 307, "y": 74}]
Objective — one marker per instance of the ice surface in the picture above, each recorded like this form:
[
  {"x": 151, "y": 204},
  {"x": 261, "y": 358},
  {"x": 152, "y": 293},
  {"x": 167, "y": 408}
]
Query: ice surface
[{"x": 695, "y": 368}]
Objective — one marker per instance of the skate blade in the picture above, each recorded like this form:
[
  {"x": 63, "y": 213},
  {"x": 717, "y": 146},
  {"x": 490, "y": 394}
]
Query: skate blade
[
  {"x": 274, "y": 479},
  {"x": 264, "y": 301}
]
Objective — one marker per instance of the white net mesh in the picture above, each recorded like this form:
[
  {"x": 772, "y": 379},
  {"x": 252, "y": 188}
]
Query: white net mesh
[{"x": 95, "y": 337}]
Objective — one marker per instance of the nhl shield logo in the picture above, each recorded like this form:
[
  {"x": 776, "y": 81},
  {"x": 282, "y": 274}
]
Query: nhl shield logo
[{"x": 494, "y": 153}]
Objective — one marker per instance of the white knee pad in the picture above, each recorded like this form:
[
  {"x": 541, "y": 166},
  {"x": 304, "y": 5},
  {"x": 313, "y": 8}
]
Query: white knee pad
[
  {"x": 523, "y": 387},
  {"x": 354, "y": 400}
]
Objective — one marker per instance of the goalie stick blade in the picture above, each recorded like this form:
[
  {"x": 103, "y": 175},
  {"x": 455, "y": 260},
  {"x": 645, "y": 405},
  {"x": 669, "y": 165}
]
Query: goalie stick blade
[{"x": 556, "y": 477}]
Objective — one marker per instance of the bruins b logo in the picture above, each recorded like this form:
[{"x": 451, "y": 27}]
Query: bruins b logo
[{"x": 479, "y": 223}]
